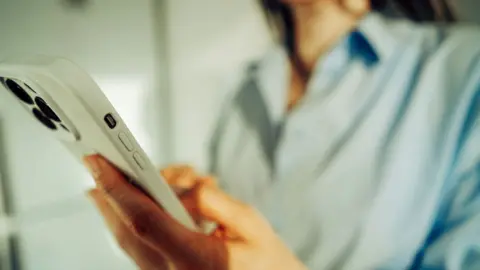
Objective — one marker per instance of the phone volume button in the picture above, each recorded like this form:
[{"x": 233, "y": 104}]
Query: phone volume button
[
  {"x": 125, "y": 141},
  {"x": 139, "y": 160}
]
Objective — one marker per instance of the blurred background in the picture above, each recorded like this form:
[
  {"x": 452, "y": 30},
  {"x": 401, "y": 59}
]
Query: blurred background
[{"x": 164, "y": 64}]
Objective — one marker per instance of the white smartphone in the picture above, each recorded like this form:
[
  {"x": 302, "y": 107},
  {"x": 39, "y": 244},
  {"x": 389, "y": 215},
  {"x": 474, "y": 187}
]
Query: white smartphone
[{"x": 67, "y": 102}]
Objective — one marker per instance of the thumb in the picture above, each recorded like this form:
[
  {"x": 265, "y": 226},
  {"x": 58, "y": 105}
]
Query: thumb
[{"x": 235, "y": 216}]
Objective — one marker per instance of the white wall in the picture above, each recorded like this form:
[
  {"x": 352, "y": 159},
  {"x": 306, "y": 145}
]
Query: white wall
[
  {"x": 209, "y": 41},
  {"x": 114, "y": 41}
]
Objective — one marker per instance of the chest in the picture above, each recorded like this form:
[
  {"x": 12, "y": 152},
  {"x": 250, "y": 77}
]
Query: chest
[{"x": 339, "y": 179}]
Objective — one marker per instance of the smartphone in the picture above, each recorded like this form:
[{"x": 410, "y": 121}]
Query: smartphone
[{"x": 66, "y": 101}]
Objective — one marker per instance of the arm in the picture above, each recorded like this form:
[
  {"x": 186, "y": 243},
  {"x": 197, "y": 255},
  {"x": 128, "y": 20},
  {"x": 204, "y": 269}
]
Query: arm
[{"x": 455, "y": 242}]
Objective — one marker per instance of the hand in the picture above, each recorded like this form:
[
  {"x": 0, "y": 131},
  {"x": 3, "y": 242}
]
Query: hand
[
  {"x": 148, "y": 234},
  {"x": 183, "y": 178}
]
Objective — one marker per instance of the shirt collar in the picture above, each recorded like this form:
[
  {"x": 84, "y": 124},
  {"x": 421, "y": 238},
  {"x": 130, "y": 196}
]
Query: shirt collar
[
  {"x": 271, "y": 76},
  {"x": 372, "y": 40},
  {"x": 373, "y": 36}
]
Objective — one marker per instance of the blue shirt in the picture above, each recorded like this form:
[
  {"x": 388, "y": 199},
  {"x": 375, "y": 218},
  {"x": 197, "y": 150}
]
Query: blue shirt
[{"x": 378, "y": 167}]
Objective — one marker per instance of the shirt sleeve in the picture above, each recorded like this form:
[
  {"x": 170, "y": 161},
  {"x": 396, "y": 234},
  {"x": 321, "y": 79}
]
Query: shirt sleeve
[{"x": 455, "y": 241}]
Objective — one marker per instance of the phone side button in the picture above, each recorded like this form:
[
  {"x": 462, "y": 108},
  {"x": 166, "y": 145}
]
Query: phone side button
[
  {"x": 139, "y": 160},
  {"x": 125, "y": 141}
]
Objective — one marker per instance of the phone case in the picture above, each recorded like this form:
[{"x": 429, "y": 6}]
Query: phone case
[{"x": 68, "y": 103}]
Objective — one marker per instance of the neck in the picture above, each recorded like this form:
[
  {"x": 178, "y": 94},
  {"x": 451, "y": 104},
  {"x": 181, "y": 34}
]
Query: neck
[{"x": 318, "y": 27}]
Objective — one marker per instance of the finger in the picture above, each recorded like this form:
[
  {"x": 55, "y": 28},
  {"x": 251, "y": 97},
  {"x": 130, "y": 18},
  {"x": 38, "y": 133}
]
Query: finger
[
  {"x": 108, "y": 214},
  {"x": 144, "y": 256},
  {"x": 173, "y": 170},
  {"x": 147, "y": 221},
  {"x": 125, "y": 198},
  {"x": 182, "y": 176},
  {"x": 237, "y": 217},
  {"x": 209, "y": 180}
]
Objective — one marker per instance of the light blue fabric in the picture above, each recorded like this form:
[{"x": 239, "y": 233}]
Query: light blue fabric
[{"x": 378, "y": 167}]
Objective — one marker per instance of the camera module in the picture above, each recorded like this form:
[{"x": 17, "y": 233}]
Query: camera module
[
  {"x": 46, "y": 110},
  {"x": 43, "y": 119},
  {"x": 30, "y": 88},
  {"x": 18, "y": 91}
]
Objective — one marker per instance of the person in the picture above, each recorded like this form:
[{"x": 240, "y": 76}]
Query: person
[{"x": 353, "y": 144}]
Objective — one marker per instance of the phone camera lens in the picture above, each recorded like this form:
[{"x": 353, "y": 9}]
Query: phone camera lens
[
  {"x": 43, "y": 119},
  {"x": 46, "y": 109},
  {"x": 19, "y": 92}
]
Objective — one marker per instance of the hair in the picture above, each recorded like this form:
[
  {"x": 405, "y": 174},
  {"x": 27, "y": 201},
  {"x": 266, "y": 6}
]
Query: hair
[{"x": 280, "y": 18}]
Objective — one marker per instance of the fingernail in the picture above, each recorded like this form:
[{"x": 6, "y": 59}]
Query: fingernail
[{"x": 92, "y": 164}]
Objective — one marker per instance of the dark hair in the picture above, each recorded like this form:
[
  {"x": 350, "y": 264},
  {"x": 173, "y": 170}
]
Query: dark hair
[{"x": 279, "y": 16}]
